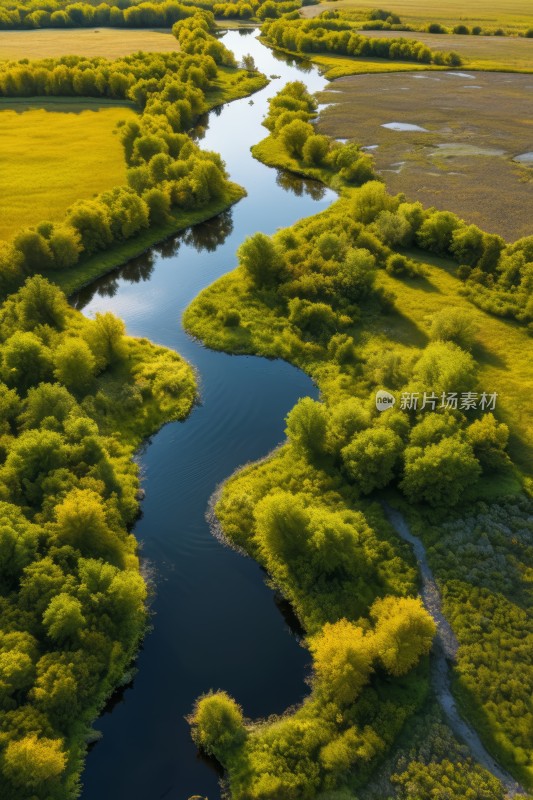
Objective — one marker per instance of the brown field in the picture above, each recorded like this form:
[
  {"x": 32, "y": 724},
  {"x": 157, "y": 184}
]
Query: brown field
[
  {"x": 464, "y": 162},
  {"x": 481, "y": 52},
  {"x": 105, "y": 42}
]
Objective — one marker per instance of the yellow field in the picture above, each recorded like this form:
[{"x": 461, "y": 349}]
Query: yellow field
[
  {"x": 106, "y": 42},
  {"x": 512, "y": 15},
  {"x": 53, "y": 154}
]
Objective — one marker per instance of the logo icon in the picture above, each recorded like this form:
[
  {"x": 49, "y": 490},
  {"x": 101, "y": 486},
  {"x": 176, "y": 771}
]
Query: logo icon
[{"x": 384, "y": 400}]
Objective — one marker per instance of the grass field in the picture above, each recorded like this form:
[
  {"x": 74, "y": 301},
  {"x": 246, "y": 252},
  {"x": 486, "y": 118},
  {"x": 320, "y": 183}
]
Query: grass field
[
  {"x": 54, "y": 153},
  {"x": 512, "y": 15},
  {"x": 105, "y": 42},
  {"x": 463, "y": 162}
]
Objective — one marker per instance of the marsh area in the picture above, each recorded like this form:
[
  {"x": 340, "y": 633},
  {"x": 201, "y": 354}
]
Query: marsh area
[{"x": 474, "y": 143}]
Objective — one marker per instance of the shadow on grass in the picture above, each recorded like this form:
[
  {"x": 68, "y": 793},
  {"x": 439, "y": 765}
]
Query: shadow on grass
[
  {"x": 482, "y": 354},
  {"x": 423, "y": 283}
]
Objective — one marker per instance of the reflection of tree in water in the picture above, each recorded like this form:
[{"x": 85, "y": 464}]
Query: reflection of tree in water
[
  {"x": 211, "y": 234},
  {"x": 205, "y": 236},
  {"x": 139, "y": 269},
  {"x": 198, "y": 132},
  {"x": 300, "y": 186},
  {"x": 246, "y": 31},
  {"x": 303, "y": 66},
  {"x": 170, "y": 247}
]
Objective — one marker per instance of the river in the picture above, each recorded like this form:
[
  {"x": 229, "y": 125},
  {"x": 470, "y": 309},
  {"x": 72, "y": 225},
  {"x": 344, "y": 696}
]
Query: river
[{"x": 216, "y": 624}]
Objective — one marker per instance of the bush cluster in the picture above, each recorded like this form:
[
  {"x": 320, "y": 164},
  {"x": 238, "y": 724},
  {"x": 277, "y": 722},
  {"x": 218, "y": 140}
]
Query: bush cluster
[{"x": 289, "y": 121}]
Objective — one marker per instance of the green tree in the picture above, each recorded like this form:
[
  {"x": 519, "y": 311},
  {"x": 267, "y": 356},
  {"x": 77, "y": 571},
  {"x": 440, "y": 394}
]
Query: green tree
[
  {"x": 453, "y": 325},
  {"x": 26, "y": 361},
  {"x": 82, "y": 522},
  {"x": 371, "y": 457},
  {"x": 439, "y": 473},
  {"x": 32, "y": 457},
  {"x": 32, "y": 762},
  {"x": 158, "y": 202},
  {"x": 105, "y": 336},
  {"x": 281, "y": 524},
  {"x": 342, "y": 661},
  {"x": 75, "y": 365},
  {"x": 370, "y": 200},
  {"x": 65, "y": 244},
  {"x": 489, "y": 438},
  {"x": 403, "y": 632},
  {"x": 41, "y": 303},
  {"x": 63, "y": 619},
  {"x": 56, "y": 690},
  {"x": 218, "y": 725},
  {"x": 90, "y": 218},
  {"x": 36, "y": 253},
  {"x": 445, "y": 367},
  {"x": 346, "y": 419},
  {"x": 19, "y": 542},
  {"x": 306, "y": 427},
  {"x": 357, "y": 274},
  {"x": 47, "y": 405},
  {"x": 261, "y": 259},
  {"x": 436, "y": 232},
  {"x": 315, "y": 150},
  {"x": 295, "y": 135}
]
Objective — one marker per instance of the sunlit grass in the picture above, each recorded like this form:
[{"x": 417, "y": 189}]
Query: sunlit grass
[
  {"x": 54, "y": 154},
  {"x": 512, "y": 15},
  {"x": 105, "y": 42}
]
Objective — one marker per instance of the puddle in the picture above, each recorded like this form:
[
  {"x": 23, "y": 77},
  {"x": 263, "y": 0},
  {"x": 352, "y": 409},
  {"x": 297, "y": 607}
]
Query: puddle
[
  {"x": 370, "y": 147},
  {"x": 342, "y": 141},
  {"x": 524, "y": 158},
  {"x": 461, "y": 74},
  {"x": 472, "y": 86},
  {"x": 450, "y": 150},
  {"x": 404, "y": 126}
]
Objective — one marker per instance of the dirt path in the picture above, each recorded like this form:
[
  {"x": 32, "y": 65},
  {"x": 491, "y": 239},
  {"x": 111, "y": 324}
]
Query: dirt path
[{"x": 445, "y": 650}]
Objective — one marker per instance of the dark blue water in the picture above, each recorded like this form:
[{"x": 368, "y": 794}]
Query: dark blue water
[{"x": 216, "y": 624}]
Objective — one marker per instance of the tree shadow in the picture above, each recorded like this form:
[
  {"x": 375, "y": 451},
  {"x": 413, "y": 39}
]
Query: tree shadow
[{"x": 482, "y": 353}]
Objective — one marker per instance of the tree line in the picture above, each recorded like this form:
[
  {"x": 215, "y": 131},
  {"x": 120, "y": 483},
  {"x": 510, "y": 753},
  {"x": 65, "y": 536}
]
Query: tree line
[
  {"x": 332, "y": 33},
  {"x": 71, "y": 596},
  {"x": 43, "y": 14},
  {"x": 167, "y": 172}
]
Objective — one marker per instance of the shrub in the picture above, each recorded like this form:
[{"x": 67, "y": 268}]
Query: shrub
[
  {"x": 454, "y": 325},
  {"x": 218, "y": 725}
]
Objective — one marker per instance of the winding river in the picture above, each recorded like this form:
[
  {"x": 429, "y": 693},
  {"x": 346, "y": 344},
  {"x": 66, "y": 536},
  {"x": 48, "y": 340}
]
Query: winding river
[{"x": 216, "y": 624}]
